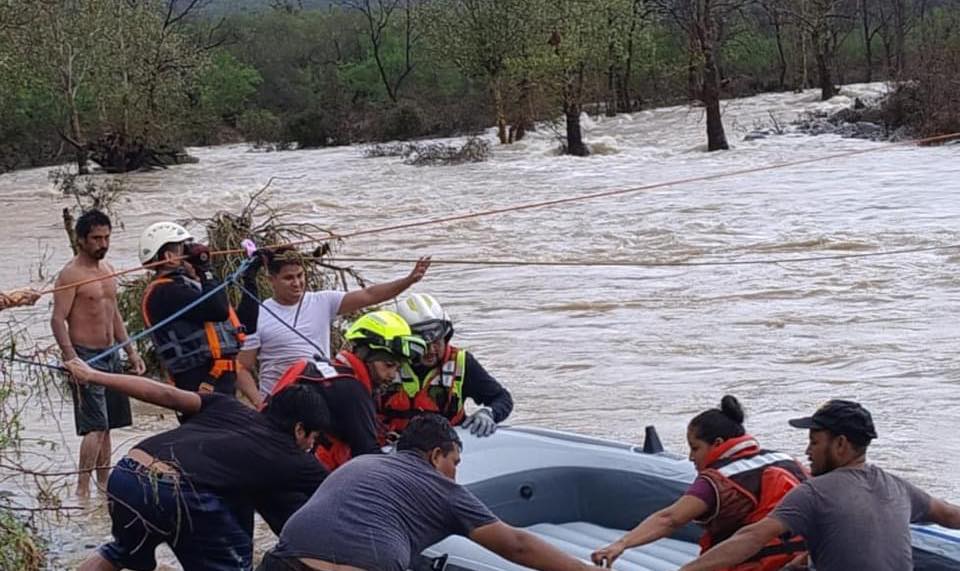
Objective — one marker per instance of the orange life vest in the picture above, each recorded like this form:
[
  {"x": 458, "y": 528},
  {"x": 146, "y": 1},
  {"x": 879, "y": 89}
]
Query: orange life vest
[
  {"x": 182, "y": 346},
  {"x": 331, "y": 451},
  {"x": 749, "y": 482},
  {"x": 439, "y": 391}
]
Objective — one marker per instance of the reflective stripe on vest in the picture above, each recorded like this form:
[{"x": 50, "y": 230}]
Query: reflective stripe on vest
[
  {"x": 440, "y": 391},
  {"x": 749, "y": 483},
  {"x": 753, "y": 463},
  {"x": 181, "y": 346}
]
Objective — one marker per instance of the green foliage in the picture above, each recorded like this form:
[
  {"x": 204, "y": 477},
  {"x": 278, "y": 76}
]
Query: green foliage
[
  {"x": 465, "y": 64},
  {"x": 19, "y": 547},
  {"x": 227, "y": 85},
  {"x": 316, "y": 128},
  {"x": 403, "y": 122},
  {"x": 750, "y": 53},
  {"x": 260, "y": 127}
]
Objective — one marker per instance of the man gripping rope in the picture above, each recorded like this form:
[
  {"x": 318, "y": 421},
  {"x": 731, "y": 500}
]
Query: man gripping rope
[{"x": 199, "y": 348}]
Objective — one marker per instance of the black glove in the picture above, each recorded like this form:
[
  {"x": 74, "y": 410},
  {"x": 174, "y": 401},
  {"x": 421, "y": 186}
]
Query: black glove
[
  {"x": 198, "y": 256},
  {"x": 256, "y": 262}
]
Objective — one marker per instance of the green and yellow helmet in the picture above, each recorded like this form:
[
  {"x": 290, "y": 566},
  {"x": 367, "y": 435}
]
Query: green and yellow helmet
[{"x": 386, "y": 332}]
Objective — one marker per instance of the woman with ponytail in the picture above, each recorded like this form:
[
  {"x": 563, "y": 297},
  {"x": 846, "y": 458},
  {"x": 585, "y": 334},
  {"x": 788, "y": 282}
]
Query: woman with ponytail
[{"x": 737, "y": 484}]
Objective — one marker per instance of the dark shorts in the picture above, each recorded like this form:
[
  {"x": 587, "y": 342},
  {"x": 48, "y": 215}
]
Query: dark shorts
[
  {"x": 149, "y": 509},
  {"x": 95, "y": 408}
]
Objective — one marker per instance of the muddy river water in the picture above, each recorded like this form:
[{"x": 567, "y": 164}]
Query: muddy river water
[{"x": 607, "y": 350}]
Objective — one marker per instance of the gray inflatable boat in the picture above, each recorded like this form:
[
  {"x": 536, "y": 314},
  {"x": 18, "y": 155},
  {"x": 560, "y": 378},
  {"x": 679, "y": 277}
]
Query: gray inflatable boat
[{"x": 580, "y": 493}]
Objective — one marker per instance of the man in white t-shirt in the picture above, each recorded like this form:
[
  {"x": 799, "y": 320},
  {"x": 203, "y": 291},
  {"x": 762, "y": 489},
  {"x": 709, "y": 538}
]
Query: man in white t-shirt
[{"x": 295, "y": 324}]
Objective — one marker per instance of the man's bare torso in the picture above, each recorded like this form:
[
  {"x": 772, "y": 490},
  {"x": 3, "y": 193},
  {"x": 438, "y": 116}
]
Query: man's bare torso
[{"x": 92, "y": 314}]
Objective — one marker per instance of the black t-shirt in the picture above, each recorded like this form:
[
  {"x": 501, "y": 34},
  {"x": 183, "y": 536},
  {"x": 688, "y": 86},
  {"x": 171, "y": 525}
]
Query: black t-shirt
[
  {"x": 230, "y": 449},
  {"x": 353, "y": 415}
]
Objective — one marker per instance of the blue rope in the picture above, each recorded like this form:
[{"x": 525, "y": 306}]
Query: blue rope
[
  {"x": 232, "y": 277},
  {"x": 320, "y": 352}
]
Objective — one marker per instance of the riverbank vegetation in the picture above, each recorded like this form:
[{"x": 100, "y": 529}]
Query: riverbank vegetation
[
  {"x": 127, "y": 85},
  {"x": 21, "y": 547}
]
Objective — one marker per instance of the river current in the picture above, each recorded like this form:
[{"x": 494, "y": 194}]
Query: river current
[{"x": 608, "y": 350}]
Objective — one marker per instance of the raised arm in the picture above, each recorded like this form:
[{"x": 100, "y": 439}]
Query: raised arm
[
  {"x": 524, "y": 548},
  {"x": 379, "y": 293},
  {"x": 140, "y": 388},
  {"x": 743, "y": 544},
  {"x": 663, "y": 523}
]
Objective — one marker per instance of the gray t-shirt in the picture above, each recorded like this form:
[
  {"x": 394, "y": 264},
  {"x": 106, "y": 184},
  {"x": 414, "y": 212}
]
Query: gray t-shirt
[
  {"x": 377, "y": 511},
  {"x": 855, "y": 518}
]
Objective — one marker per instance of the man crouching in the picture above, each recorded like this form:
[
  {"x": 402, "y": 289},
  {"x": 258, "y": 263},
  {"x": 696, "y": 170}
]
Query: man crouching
[{"x": 380, "y": 511}]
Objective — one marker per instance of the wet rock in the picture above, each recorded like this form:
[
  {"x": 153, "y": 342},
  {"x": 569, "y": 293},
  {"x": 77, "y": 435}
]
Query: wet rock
[
  {"x": 474, "y": 150},
  {"x": 866, "y": 119},
  {"x": 902, "y": 133},
  {"x": 867, "y": 130}
]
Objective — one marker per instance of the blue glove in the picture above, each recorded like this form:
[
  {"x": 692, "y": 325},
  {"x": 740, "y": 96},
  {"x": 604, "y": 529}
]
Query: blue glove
[{"x": 481, "y": 423}]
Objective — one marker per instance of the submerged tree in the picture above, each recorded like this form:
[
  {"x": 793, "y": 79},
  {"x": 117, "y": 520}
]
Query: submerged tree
[
  {"x": 487, "y": 39},
  {"x": 826, "y": 22},
  {"x": 702, "y": 21},
  {"x": 123, "y": 75}
]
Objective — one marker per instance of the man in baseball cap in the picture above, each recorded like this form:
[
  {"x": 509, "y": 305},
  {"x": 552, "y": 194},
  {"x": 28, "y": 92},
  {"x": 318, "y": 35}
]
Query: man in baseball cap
[
  {"x": 853, "y": 514},
  {"x": 837, "y": 419}
]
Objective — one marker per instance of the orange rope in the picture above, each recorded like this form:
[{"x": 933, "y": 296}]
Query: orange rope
[
  {"x": 546, "y": 203},
  {"x": 642, "y": 264}
]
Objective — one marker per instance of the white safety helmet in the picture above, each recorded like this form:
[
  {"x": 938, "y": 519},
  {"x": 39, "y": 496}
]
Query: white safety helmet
[
  {"x": 157, "y": 235},
  {"x": 426, "y": 317}
]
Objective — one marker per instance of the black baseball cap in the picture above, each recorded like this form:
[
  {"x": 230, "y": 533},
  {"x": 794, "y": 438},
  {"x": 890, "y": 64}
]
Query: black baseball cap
[{"x": 841, "y": 417}]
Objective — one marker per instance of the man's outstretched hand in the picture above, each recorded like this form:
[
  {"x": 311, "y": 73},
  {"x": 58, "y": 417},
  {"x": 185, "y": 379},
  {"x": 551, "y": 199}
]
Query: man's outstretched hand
[{"x": 419, "y": 270}]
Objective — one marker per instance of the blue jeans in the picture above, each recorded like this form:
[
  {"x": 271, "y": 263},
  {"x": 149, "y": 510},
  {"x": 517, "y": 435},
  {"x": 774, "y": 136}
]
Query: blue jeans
[{"x": 147, "y": 509}]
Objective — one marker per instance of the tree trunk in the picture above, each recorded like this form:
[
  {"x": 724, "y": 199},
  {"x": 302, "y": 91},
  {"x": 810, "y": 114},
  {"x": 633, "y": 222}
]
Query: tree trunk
[
  {"x": 716, "y": 137},
  {"x": 498, "y": 109},
  {"x": 803, "y": 80},
  {"x": 867, "y": 48},
  {"x": 624, "y": 103},
  {"x": 693, "y": 81},
  {"x": 710, "y": 93},
  {"x": 900, "y": 35},
  {"x": 623, "y": 94},
  {"x": 69, "y": 225},
  {"x": 521, "y": 120},
  {"x": 611, "y": 104},
  {"x": 575, "y": 145},
  {"x": 77, "y": 134},
  {"x": 827, "y": 89},
  {"x": 781, "y": 53}
]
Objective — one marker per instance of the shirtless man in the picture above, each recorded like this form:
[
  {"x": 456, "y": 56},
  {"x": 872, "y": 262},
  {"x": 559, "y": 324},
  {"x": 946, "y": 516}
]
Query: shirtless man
[{"x": 86, "y": 322}]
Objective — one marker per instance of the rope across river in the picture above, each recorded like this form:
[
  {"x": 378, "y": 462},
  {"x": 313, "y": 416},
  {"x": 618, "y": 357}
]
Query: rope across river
[{"x": 559, "y": 201}]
